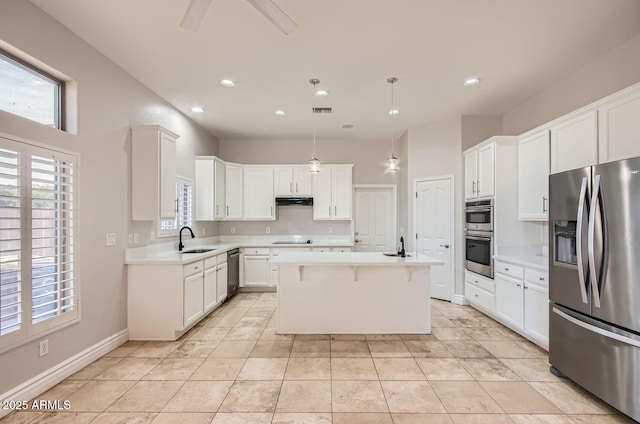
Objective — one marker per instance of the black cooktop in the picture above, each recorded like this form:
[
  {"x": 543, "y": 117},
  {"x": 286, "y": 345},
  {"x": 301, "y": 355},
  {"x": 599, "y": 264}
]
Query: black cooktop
[{"x": 292, "y": 242}]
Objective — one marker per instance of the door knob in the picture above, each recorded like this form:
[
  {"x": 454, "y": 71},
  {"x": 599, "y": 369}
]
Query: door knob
[
  {"x": 357, "y": 241},
  {"x": 357, "y": 233},
  {"x": 446, "y": 246}
]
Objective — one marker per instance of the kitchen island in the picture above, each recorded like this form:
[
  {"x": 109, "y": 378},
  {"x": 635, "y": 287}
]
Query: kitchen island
[{"x": 353, "y": 293}]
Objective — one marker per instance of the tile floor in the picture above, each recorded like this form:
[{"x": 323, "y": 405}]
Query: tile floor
[{"x": 232, "y": 368}]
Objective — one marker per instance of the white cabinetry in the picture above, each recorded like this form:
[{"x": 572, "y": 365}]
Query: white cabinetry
[
  {"x": 210, "y": 189},
  {"x": 293, "y": 181},
  {"x": 256, "y": 267},
  {"x": 259, "y": 201},
  {"x": 215, "y": 281},
  {"x": 510, "y": 300},
  {"x": 574, "y": 142},
  {"x": 234, "y": 189},
  {"x": 332, "y": 193},
  {"x": 533, "y": 176},
  {"x": 479, "y": 291},
  {"x": 193, "y": 300},
  {"x": 619, "y": 126},
  {"x": 153, "y": 173},
  {"x": 479, "y": 172}
]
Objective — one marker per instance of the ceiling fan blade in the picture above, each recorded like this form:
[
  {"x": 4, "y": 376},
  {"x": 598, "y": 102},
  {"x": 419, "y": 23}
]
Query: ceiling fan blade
[
  {"x": 272, "y": 12},
  {"x": 194, "y": 15}
]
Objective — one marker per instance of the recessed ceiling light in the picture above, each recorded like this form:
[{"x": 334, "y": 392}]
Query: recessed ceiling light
[
  {"x": 470, "y": 82},
  {"x": 322, "y": 93},
  {"x": 280, "y": 112},
  {"x": 227, "y": 83},
  {"x": 347, "y": 126},
  {"x": 197, "y": 109},
  {"x": 394, "y": 112}
]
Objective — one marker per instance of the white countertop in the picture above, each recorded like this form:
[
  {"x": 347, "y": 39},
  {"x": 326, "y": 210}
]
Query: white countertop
[
  {"x": 352, "y": 259},
  {"x": 532, "y": 261}
]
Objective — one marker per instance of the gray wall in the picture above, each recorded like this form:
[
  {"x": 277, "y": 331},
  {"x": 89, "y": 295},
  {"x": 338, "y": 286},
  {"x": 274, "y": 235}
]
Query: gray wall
[
  {"x": 109, "y": 101},
  {"x": 478, "y": 128}
]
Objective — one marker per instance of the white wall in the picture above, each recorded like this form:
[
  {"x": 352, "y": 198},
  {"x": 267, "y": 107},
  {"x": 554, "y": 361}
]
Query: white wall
[{"x": 109, "y": 101}]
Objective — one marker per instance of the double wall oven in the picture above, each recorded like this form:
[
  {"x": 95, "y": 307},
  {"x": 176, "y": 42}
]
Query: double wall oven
[{"x": 478, "y": 227}]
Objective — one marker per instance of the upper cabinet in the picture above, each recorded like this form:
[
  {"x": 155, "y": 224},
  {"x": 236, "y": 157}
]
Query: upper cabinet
[
  {"x": 210, "y": 188},
  {"x": 293, "y": 181},
  {"x": 259, "y": 201},
  {"x": 619, "y": 126},
  {"x": 234, "y": 191},
  {"x": 332, "y": 192},
  {"x": 479, "y": 172},
  {"x": 533, "y": 175},
  {"x": 574, "y": 142},
  {"x": 153, "y": 173}
]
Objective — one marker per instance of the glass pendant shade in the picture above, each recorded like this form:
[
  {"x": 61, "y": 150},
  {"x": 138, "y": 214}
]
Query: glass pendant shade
[
  {"x": 314, "y": 165},
  {"x": 392, "y": 164},
  {"x": 314, "y": 162}
]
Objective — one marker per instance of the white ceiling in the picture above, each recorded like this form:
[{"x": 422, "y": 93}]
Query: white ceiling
[{"x": 517, "y": 48}]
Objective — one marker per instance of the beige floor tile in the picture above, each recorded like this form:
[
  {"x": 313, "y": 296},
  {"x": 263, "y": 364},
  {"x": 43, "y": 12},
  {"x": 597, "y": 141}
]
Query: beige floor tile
[
  {"x": 263, "y": 369},
  {"x": 210, "y": 333},
  {"x": 21, "y": 417},
  {"x": 65, "y": 418},
  {"x": 155, "y": 349},
  {"x": 398, "y": 369},
  {"x": 388, "y": 349},
  {"x": 361, "y": 418},
  {"x": 485, "y": 333},
  {"x": 62, "y": 390},
  {"x": 129, "y": 369},
  {"x": 242, "y": 418},
  {"x": 199, "y": 396},
  {"x": 124, "y": 418},
  {"x": 313, "y": 337},
  {"x": 571, "y": 399},
  {"x": 305, "y": 396},
  {"x": 466, "y": 321},
  {"x": 244, "y": 333},
  {"x": 311, "y": 349},
  {"x": 353, "y": 369},
  {"x": 343, "y": 337},
  {"x": 301, "y": 418},
  {"x": 308, "y": 369},
  {"x": 174, "y": 369},
  {"x": 516, "y": 397},
  {"x": 260, "y": 312},
  {"x": 195, "y": 349},
  {"x": 450, "y": 333},
  {"x": 422, "y": 337},
  {"x": 507, "y": 349},
  {"x": 465, "y": 397},
  {"x": 269, "y": 334},
  {"x": 481, "y": 419},
  {"x": 224, "y": 321},
  {"x": 146, "y": 396},
  {"x": 443, "y": 369},
  {"x": 455, "y": 312},
  {"x": 487, "y": 369},
  {"x": 370, "y": 337},
  {"x": 427, "y": 349},
  {"x": 252, "y": 396},
  {"x": 358, "y": 396},
  {"x": 219, "y": 369},
  {"x": 421, "y": 419},
  {"x": 183, "y": 418},
  {"x": 511, "y": 335},
  {"x": 350, "y": 349},
  {"x": 233, "y": 349},
  {"x": 536, "y": 350},
  {"x": 541, "y": 419},
  {"x": 272, "y": 349},
  {"x": 96, "y": 396},
  {"x": 601, "y": 419},
  {"x": 466, "y": 349},
  {"x": 246, "y": 321},
  {"x": 96, "y": 368},
  {"x": 125, "y": 349},
  {"x": 531, "y": 369},
  {"x": 441, "y": 321},
  {"x": 411, "y": 397}
]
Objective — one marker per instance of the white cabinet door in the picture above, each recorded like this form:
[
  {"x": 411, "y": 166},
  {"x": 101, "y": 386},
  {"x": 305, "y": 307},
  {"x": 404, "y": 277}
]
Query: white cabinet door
[
  {"x": 509, "y": 300},
  {"x": 536, "y": 307},
  {"x": 210, "y": 288},
  {"x": 256, "y": 271},
  {"x": 205, "y": 189},
  {"x": 193, "y": 298},
  {"x": 619, "y": 126},
  {"x": 533, "y": 177},
  {"x": 574, "y": 142},
  {"x": 322, "y": 194},
  {"x": 302, "y": 181},
  {"x": 485, "y": 184},
  {"x": 342, "y": 192},
  {"x": 234, "y": 192},
  {"x": 259, "y": 201},
  {"x": 220, "y": 188},
  {"x": 221, "y": 291},
  {"x": 167, "y": 176},
  {"x": 283, "y": 181},
  {"x": 470, "y": 174}
]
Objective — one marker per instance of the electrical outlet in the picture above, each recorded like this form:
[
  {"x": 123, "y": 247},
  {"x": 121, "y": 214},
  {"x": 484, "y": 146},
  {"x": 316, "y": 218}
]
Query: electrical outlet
[
  {"x": 136, "y": 239},
  {"x": 203, "y": 231},
  {"x": 152, "y": 235},
  {"x": 268, "y": 230},
  {"x": 401, "y": 231},
  {"x": 43, "y": 348},
  {"x": 233, "y": 230},
  {"x": 111, "y": 239},
  {"x": 130, "y": 238},
  {"x": 330, "y": 229}
]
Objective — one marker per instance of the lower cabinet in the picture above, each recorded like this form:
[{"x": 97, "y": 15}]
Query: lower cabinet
[
  {"x": 479, "y": 291},
  {"x": 222, "y": 280},
  {"x": 193, "y": 298},
  {"x": 215, "y": 281},
  {"x": 256, "y": 267},
  {"x": 510, "y": 300}
]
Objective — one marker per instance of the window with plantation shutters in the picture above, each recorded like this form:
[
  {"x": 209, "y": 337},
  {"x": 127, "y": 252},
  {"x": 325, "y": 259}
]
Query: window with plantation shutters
[
  {"x": 184, "y": 209},
  {"x": 37, "y": 241}
]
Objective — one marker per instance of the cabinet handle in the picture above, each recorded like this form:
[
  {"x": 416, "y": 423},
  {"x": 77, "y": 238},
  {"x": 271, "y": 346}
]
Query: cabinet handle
[
  {"x": 518, "y": 285},
  {"x": 296, "y": 188},
  {"x": 473, "y": 187},
  {"x": 291, "y": 188},
  {"x": 544, "y": 204},
  {"x": 335, "y": 211},
  {"x": 329, "y": 210},
  {"x": 478, "y": 186},
  {"x": 227, "y": 210},
  {"x": 506, "y": 269},
  {"x": 541, "y": 278},
  {"x": 526, "y": 288},
  {"x": 217, "y": 210},
  {"x": 271, "y": 211}
]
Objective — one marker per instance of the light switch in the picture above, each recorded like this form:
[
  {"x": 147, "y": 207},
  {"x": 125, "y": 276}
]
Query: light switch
[{"x": 111, "y": 239}]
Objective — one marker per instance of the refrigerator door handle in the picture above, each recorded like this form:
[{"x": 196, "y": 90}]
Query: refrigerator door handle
[
  {"x": 590, "y": 241},
  {"x": 598, "y": 330},
  {"x": 582, "y": 199}
]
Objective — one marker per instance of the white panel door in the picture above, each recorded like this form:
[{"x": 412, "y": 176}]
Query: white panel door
[
  {"x": 375, "y": 220},
  {"x": 342, "y": 192},
  {"x": 574, "y": 143},
  {"x": 434, "y": 229},
  {"x": 234, "y": 192}
]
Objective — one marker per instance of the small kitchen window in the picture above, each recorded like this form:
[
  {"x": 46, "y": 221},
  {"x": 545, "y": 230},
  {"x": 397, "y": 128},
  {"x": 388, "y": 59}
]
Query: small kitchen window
[
  {"x": 30, "y": 92},
  {"x": 184, "y": 209}
]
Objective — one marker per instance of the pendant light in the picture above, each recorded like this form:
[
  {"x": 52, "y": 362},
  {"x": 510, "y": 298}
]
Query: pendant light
[
  {"x": 392, "y": 161},
  {"x": 314, "y": 162}
]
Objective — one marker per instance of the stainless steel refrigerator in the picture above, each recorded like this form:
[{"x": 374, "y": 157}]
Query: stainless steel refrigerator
[{"x": 594, "y": 286}]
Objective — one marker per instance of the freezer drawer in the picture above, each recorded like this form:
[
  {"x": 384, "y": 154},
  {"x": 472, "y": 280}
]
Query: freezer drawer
[{"x": 602, "y": 361}]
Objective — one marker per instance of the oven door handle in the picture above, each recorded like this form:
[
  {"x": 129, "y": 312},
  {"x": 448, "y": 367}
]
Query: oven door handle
[
  {"x": 478, "y": 238},
  {"x": 478, "y": 209}
]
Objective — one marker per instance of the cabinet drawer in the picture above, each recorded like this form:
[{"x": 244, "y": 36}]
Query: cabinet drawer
[
  {"x": 511, "y": 270},
  {"x": 256, "y": 251},
  {"x": 321, "y": 249},
  {"x": 479, "y": 297},
  {"x": 192, "y": 268},
  {"x": 341, "y": 249},
  {"x": 279, "y": 250},
  {"x": 481, "y": 282},
  {"x": 536, "y": 276},
  {"x": 211, "y": 262}
]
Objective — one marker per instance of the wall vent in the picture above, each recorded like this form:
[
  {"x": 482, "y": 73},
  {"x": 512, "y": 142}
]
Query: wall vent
[{"x": 321, "y": 110}]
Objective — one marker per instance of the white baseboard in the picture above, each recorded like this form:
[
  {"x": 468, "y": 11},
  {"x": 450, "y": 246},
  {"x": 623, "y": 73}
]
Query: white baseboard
[
  {"x": 459, "y": 299},
  {"x": 49, "y": 378}
]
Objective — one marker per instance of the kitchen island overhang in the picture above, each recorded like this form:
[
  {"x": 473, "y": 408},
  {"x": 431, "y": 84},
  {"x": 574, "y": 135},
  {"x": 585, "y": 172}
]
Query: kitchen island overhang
[{"x": 353, "y": 293}]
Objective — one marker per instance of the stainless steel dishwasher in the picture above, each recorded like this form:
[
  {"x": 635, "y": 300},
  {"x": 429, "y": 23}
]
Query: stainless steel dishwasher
[{"x": 233, "y": 277}]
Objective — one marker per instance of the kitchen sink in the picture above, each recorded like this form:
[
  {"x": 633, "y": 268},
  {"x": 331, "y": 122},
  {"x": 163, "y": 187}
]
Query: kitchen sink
[
  {"x": 198, "y": 250},
  {"x": 396, "y": 254}
]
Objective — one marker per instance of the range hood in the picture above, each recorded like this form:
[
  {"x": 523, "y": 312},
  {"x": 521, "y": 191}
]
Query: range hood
[{"x": 294, "y": 201}]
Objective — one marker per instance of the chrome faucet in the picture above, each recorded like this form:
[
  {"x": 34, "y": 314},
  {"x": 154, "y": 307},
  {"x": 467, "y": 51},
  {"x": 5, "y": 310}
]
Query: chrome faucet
[
  {"x": 180, "y": 245},
  {"x": 402, "y": 252}
]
